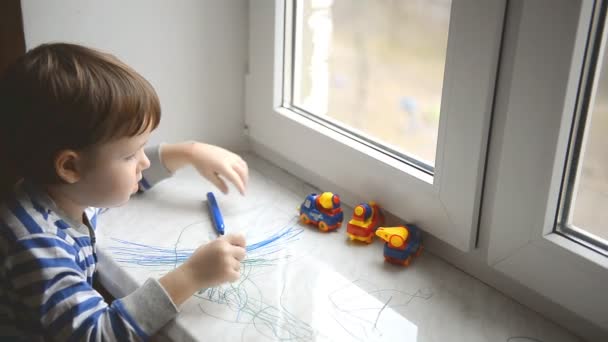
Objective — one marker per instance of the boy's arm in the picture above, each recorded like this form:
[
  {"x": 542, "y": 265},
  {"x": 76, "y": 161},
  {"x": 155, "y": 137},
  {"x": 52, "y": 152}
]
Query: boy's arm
[
  {"x": 45, "y": 273},
  {"x": 212, "y": 162},
  {"x": 157, "y": 170}
]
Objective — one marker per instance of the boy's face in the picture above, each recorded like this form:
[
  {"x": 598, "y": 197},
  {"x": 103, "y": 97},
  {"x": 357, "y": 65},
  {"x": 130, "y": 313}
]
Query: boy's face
[{"x": 110, "y": 174}]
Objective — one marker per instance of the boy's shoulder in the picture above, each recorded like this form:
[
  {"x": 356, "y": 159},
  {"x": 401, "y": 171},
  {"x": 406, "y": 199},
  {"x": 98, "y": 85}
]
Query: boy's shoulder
[{"x": 22, "y": 217}]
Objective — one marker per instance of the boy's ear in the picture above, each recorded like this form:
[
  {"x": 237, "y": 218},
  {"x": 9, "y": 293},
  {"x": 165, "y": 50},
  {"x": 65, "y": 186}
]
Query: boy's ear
[{"x": 68, "y": 166}]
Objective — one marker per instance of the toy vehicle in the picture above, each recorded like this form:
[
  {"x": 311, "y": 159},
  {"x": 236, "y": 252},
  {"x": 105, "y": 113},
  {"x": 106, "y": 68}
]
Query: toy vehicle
[
  {"x": 402, "y": 243},
  {"x": 322, "y": 210},
  {"x": 366, "y": 218}
]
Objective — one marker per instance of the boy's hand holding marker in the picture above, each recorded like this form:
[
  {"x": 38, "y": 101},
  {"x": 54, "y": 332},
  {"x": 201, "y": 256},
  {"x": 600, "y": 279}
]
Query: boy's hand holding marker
[
  {"x": 217, "y": 262},
  {"x": 210, "y": 265}
]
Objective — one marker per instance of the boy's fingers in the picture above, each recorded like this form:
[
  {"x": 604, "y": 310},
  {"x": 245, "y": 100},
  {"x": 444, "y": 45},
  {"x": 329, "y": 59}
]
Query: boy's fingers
[
  {"x": 241, "y": 168},
  {"x": 218, "y": 182},
  {"x": 233, "y": 275},
  {"x": 236, "y": 239},
  {"x": 235, "y": 179},
  {"x": 239, "y": 253},
  {"x": 236, "y": 266}
]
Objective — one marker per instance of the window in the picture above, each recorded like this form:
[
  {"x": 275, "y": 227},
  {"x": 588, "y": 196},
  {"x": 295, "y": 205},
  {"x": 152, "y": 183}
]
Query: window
[
  {"x": 372, "y": 70},
  {"x": 419, "y": 143},
  {"x": 539, "y": 121},
  {"x": 584, "y": 209}
]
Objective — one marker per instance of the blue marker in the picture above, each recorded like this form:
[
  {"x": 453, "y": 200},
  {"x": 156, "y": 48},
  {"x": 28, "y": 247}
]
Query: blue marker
[{"x": 216, "y": 215}]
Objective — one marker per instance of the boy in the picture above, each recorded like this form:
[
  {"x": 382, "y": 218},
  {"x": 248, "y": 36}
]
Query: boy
[{"x": 73, "y": 125}]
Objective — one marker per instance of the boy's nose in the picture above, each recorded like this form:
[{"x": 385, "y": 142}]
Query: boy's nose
[{"x": 144, "y": 162}]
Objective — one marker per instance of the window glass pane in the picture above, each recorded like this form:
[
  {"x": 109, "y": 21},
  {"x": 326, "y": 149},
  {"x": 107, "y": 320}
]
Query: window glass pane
[
  {"x": 374, "y": 68},
  {"x": 589, "y": 209}
]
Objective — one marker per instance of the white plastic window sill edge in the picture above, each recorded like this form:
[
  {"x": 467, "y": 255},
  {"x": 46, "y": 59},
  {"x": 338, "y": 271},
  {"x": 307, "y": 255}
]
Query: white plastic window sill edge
[
  {"x": 392, "y": 162},
  {"x": 577, "y": 249}
]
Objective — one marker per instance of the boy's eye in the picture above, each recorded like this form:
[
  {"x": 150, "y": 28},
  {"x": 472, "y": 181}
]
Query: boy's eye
[{"x": 131, "y": 157}]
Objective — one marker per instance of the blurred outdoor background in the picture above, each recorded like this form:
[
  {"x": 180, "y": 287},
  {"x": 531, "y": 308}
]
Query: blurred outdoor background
[
  {"x": 590, "y": 211},
  {"x": 377, "y": 67}
]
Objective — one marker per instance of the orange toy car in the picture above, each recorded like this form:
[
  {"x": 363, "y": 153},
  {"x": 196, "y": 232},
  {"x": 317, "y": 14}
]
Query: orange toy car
[{"x": 366, "y": 219}]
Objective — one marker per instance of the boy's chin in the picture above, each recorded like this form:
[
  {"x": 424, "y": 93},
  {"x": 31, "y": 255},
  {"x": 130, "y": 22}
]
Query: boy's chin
[
  {"x": 124, "y": 200},
  {"x": 120, "y": 203}
]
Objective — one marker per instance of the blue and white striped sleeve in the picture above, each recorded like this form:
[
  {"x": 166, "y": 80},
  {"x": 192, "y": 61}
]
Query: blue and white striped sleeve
[
  {"x": 157, "y": 170},
  {"x": 44, "y": 272}
]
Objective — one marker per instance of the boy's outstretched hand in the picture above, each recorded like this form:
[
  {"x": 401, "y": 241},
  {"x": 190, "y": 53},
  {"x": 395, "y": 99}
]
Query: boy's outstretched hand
[
  {"x": 212, "y": 162},
  {"x": 215, "y": 162}
]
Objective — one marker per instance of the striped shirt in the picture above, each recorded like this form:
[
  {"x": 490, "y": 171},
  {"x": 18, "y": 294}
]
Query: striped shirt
[{"x": 46, "y": 275}]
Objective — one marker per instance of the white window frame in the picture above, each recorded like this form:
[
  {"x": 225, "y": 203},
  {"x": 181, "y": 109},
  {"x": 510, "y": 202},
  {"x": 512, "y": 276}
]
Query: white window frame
[
  {"x": 445, "y": 204},
  {"x": 540, "y": 75}
]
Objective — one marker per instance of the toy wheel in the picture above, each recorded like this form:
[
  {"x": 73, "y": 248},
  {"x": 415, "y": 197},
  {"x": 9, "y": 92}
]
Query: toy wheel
[
  {"x": 419, "y": 251},
  {"x": 323, "y": 226},
  {"x": 407, "y": 261},
  {"x": 304, "y": 219},
  {"x": 369, "y": 239}
]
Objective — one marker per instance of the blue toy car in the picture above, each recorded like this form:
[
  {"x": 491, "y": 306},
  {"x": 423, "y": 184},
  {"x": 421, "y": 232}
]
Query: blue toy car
[{"x": 322, "y": 210}]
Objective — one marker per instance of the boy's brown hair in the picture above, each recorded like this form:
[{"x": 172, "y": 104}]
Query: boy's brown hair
[{"x": 65, "y": 96}]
